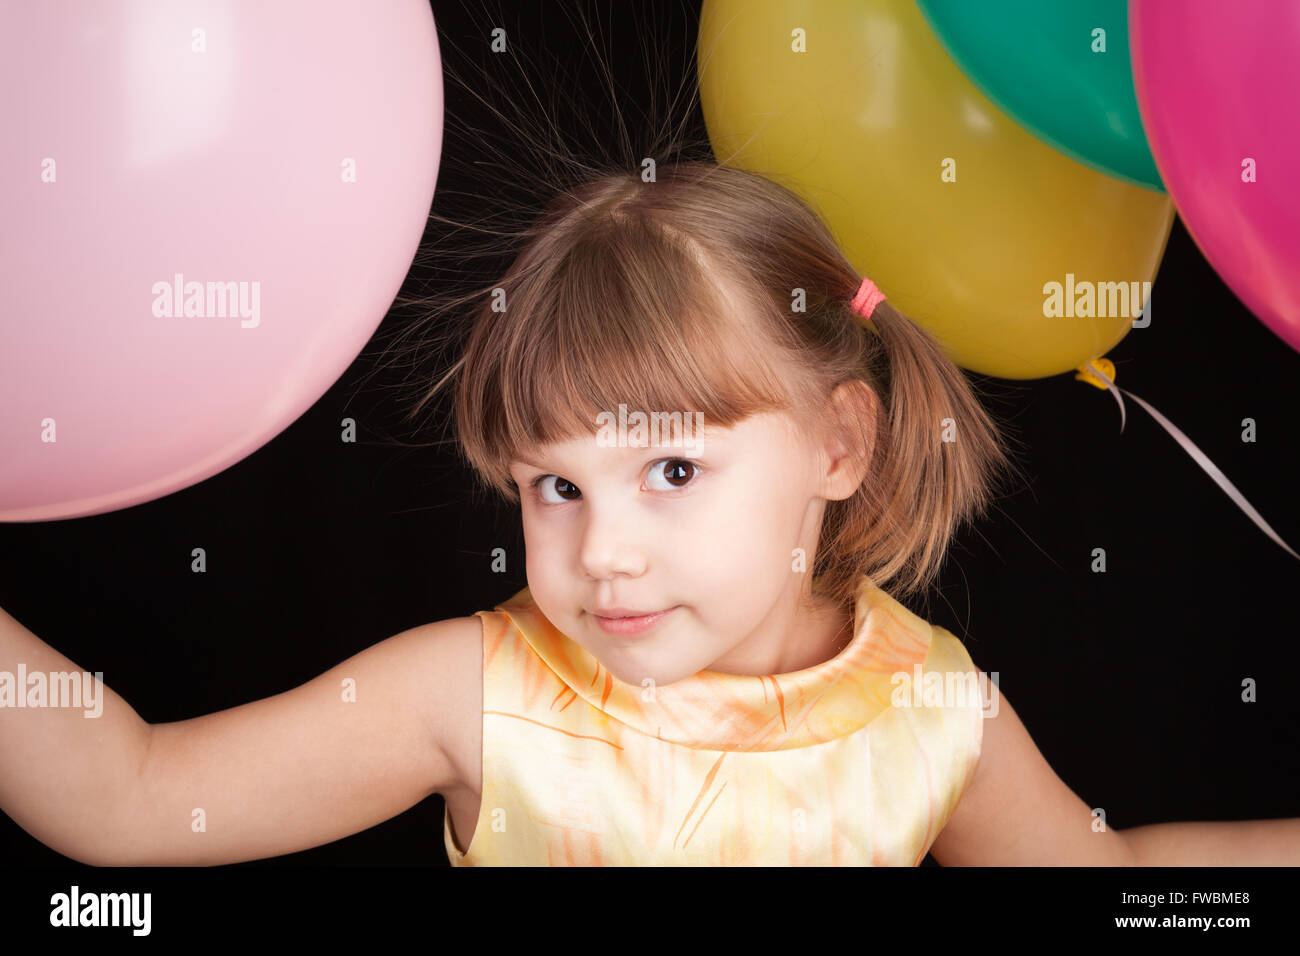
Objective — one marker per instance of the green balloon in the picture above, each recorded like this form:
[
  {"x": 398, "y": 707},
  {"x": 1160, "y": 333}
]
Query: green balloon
[{"x": 1061, "y": 69}]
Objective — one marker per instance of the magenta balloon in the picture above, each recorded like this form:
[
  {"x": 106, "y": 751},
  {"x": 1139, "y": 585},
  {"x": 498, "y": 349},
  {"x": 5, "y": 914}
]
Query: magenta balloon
[
  {"x": 274, "y": 162},
  {"x": 1218, "y": 85}
]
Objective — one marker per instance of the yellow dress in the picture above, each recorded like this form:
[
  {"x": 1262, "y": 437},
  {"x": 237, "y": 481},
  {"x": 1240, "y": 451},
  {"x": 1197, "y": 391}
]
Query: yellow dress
[{"x": 840, "y": 764}]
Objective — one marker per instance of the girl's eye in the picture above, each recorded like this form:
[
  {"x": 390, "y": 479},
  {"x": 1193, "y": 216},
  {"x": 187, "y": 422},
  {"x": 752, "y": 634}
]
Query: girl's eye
[
  {"x": 678, "y": 475},
  {"x": 681, "y": 469},
  {"x": 538, "y": 484}
]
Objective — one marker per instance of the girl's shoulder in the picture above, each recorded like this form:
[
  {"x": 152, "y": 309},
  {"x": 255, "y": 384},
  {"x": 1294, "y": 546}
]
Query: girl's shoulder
[{"x": 457, "y": 697}]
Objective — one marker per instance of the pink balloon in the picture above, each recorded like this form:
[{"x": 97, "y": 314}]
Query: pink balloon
[
  {"x": 1217, "y": 85},
  {"x": 273, "y": 163}
]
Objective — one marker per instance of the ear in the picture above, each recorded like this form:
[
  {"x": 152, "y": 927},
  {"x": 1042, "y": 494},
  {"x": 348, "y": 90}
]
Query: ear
[{"x": 848, "y": 438}]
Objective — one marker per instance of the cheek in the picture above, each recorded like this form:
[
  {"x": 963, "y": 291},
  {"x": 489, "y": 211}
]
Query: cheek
[
  {"x": 546, "y": 556},
  {"x": 748, "y": 513},
  {"x": 534, "y": 546},
  {"x": 755, "y": 533},
  {"x": 546, "y": 526},
  {"x": 537, "y": 547}
]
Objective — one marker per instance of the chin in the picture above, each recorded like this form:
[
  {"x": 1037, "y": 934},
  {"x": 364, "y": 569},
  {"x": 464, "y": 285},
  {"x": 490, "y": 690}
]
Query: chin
[
  {"x": 662, "y": 676},
  {"x": 634, "y": 675}
]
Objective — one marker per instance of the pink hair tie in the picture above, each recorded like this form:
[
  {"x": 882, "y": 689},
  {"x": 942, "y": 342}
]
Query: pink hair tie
[{"x": 868, "y": 297}]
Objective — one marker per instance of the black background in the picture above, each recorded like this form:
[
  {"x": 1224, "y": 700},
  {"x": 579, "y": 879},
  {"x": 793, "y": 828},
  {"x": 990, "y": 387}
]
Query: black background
[{"x": 1129, "y": 681}]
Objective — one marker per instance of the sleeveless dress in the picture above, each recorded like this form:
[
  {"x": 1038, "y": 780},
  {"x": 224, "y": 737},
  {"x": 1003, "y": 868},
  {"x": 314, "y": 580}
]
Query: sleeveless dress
[{"x": 840, "y": 764}]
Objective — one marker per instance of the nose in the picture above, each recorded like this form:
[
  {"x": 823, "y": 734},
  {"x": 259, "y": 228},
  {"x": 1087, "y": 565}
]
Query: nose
[{"x": 611, "y": 542}]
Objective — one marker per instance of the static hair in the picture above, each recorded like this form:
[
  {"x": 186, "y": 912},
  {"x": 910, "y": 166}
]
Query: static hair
[{"x": 714, "y": 289}]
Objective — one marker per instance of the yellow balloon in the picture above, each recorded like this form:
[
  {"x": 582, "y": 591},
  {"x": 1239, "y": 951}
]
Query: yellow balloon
[{"x": 961, "y": 217}]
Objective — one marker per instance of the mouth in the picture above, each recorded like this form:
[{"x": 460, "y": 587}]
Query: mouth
[{"x": 631, "y": 623}]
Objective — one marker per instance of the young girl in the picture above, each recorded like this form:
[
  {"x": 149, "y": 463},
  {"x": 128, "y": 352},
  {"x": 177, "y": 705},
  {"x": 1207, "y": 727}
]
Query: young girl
[
  {"x": 747, "y": 719},
  {"x": 705, "y": 667}
]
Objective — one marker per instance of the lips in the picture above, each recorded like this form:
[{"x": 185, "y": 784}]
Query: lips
[
  {"x": 617, "y": 612},
  {"x": 630, "y": 624}
]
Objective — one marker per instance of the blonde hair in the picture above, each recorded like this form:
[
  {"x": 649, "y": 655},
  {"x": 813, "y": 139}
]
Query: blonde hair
[{"x": 677, "y": 294}]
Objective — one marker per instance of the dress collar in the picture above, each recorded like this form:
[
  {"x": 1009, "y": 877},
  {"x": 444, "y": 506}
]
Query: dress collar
[{"x": 715, "y": 711}]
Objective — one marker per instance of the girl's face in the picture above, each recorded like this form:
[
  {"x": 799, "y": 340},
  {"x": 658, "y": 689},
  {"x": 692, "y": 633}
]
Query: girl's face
[{"x": 710, "y": 531}]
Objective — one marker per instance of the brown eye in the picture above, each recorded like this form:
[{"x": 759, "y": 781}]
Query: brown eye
[
  {"x": 567, "y": 490},
  {"x": 678, "y": 472}
]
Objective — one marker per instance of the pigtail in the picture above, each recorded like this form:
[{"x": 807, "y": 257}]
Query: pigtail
[{"x": 938, "y": 460}]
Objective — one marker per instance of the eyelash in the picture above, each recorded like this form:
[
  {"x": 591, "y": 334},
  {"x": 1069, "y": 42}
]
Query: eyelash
[{"x": 698, "y": 469}]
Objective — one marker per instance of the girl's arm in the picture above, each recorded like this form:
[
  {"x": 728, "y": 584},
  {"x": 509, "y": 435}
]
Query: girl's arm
[
  {"x": 274, "y": 776},
  {"x": 1218, "y": 843},
  {"x": 60, "y": 770},
  {"x": 1018, "y": 812}
]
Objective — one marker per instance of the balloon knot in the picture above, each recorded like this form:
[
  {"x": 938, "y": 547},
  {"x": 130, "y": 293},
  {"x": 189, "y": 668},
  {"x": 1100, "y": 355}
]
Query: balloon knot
[{"x": 1104, "y": 365}]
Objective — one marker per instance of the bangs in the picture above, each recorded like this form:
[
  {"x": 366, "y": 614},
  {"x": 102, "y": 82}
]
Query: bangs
[{"x": 600, "y": 334}]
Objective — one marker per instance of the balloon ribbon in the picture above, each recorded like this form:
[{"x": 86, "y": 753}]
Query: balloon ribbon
[{"x": 1091, "y": 373}]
